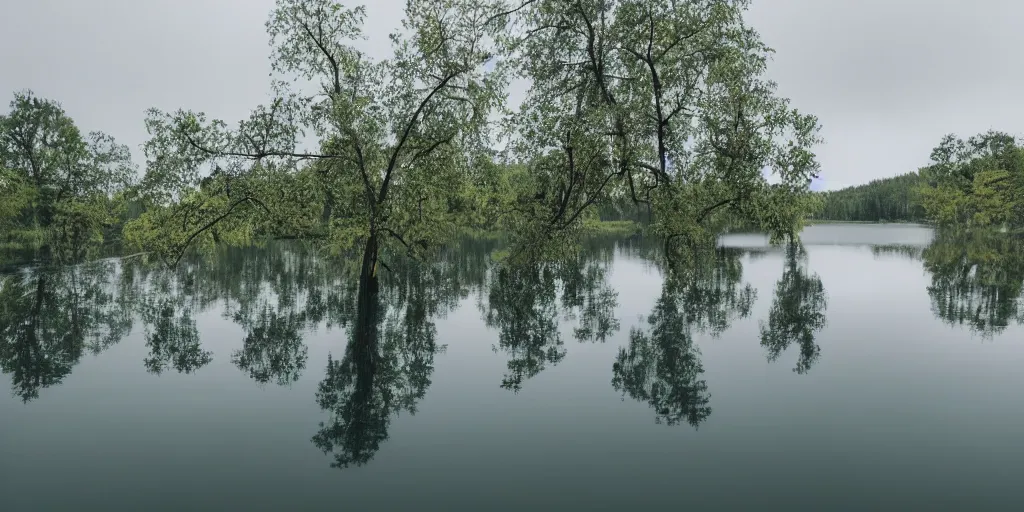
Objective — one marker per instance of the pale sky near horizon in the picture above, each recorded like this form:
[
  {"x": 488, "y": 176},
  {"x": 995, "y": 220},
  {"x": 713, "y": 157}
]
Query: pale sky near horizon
[{"x": 887, "y": 78}]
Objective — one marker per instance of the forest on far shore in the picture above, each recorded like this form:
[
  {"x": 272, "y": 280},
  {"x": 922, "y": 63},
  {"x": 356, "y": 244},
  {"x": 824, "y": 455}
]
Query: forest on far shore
[
  {"x": 970, "y": 183},
  {"x": 894, "y": 199}
]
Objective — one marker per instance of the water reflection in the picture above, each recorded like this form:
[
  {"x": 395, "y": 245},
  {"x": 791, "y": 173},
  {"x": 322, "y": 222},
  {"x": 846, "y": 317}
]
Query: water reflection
[
  {"x": 172, "y": 337},
  {"x": 524, "y": 302},
  {"x": 49, "y": 318},
  {"x": 976, "y": 280},
  {"x": 277, "y": 294},
  {"x": 662, "y": 365},
  {"x": 272, "y": 350},
  {"x": 388, "y": 361},
  {"x": 798, "y": 311}
]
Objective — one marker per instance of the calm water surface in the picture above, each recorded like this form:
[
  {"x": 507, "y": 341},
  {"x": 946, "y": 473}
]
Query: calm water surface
[{"x": 876, "y": 367}]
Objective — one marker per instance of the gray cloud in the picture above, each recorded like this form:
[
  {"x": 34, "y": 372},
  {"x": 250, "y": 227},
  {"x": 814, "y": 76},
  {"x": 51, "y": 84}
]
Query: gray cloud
[{"x": 886, "y": 77}]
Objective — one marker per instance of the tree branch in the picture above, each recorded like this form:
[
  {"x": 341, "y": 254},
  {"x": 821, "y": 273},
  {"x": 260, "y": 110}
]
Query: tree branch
[
  {"x": 208, "y": 225},
  {"x": 509, "y": 12},
  {"x": 408, "y": 129},
  {"x": 319, "y": 44}
]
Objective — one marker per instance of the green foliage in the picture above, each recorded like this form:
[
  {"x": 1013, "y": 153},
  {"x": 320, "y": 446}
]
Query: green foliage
[
  {"x": 17, "y": 195},
  {"x": 661, "y": 104},
  {"x": 635, "y": 106},
  {"x": 57, "y": 182},
  {"x": 896, "y": 199},
  {"x": 400, "y": 140},
  {"x": 977, "y": 183}
]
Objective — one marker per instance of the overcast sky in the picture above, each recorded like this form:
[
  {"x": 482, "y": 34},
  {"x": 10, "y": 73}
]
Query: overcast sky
[{"x": 887, "y": 78}]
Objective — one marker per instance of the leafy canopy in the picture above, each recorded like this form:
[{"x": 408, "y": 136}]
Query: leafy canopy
[
  {"x": 55, "y": 179},
  {"x": 398, "y": 138},
  {"x": 976, "y": 182},
  {"x": 663, "y": 103}
]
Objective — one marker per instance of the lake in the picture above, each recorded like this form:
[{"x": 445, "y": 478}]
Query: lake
[{"x": 874, "y": 367}]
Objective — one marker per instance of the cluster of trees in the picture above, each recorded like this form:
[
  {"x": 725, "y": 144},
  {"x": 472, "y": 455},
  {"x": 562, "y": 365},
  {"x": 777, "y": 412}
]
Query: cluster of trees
[
  {"x": 975, "y": 183},
  {"x": 635, "y": 107},
  {"x": 895, "y": 199},
  {"x": 63, "y": 191}
]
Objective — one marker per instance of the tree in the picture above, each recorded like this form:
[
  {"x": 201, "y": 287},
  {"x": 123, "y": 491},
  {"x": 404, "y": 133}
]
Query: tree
[
  {"x": 663, "y": 103},
  {"x": 60, "y": 181},
  {"x": 17, "y": 196},
  {"x": 398, "y": 138},
  {"x": 978, "y": 182}
]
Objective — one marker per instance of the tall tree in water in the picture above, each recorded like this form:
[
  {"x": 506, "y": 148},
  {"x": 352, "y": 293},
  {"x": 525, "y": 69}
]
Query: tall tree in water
[
  {"x": 56, "y": 180},
  {"x": 663, "y": 103},
  {"x": 398, "y": 139}
]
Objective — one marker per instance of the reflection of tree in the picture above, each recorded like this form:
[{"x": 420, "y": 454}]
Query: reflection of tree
[
  {"x": 172, "y": 339},
  {"x": 522, "y": 307},
  {"x": 388, "y": 360},
  {"x": 273, "y": 348},
  {"x": 50, "y": 317},
  {"x": 976, "y": 279},
  {"x": 357, "y": 393},
  {"x": 662, "y": 365},
  {"x": 273, "y": 293},
  {"x": 523, "y": 304},
  {"x": 798, "y": 311}
]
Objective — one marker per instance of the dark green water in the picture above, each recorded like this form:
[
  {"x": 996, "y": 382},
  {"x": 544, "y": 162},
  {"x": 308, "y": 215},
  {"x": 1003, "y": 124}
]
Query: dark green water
[{"x": 876, "y": 368}]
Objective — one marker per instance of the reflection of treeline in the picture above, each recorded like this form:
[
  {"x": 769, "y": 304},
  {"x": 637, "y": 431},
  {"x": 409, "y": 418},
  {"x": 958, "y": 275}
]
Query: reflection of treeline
[
  {"x": 905, "y": 250},
  {"x": 977, "y": 279},
  {"x": 278, "y": 293},
  {"x": 50, "y": 318}
]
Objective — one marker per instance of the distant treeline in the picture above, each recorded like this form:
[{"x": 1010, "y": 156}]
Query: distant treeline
[
  {"x": 976, "y": 182},
  {"x": 895, "y": 199}
]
